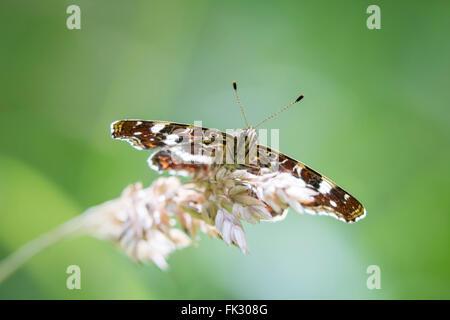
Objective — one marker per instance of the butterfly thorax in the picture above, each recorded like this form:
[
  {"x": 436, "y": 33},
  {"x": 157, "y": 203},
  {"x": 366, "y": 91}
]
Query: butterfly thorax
[{"x": 243, "y": 150}]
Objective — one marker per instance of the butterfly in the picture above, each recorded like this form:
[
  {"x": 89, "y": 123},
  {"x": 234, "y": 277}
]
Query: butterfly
[{"x": 193, "y": 150}]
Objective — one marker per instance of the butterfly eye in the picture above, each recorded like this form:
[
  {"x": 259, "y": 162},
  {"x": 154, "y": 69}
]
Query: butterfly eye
[{"x": 207, "y": 140}]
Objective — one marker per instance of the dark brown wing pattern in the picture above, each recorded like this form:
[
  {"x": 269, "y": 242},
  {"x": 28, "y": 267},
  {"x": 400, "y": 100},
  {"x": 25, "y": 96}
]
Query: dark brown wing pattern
[
  {"x": 146, "y": 135},
  {"x": 331, "y": 199}
]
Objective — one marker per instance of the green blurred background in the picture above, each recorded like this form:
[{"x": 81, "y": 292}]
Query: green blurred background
[{"x": 375, "y": 120}]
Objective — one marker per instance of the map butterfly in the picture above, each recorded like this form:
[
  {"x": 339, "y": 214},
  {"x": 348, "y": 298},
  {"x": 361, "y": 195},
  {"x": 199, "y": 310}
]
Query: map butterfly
[{"x": 197, "y": 151}]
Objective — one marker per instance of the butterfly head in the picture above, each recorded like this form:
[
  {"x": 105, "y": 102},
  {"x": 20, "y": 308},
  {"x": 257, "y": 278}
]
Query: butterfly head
[
  {"x": 248, "y": 135},
  {"x": 246, "y": 142}
]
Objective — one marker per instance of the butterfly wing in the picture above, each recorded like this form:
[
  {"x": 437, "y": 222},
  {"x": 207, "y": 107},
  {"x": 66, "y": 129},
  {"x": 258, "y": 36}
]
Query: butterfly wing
[
  {"x": 330, "y": 200},
  {"x": 145, "y": 135},
  {"x": 184, "y": 149}
]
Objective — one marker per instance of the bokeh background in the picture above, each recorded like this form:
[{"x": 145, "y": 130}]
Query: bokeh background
[{"x": 375, "y": 120}]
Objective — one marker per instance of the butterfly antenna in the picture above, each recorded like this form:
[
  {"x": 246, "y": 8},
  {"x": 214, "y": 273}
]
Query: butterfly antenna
[
  {"x": 280, "y": 111},
  {"x": 240, "y": 104}
]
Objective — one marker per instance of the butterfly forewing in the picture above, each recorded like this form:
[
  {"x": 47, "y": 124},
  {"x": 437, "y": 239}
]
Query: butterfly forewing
[{"x": 331, "y": 199}]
